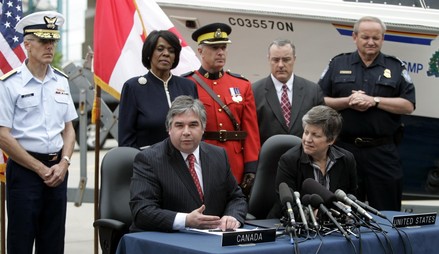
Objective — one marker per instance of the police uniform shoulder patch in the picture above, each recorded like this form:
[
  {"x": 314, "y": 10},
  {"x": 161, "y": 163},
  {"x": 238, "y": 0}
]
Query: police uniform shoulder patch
[
  {"x": 324, "y": 71},
  {"x": 8, "y": 75},
  {"x": 406, "y": 76},
  {"x": 404, "y": 72},
  {"x": 187, "y": 74},
  {"x": 236, "y": 75},
  {"x": 60, "y": 72},
  {"x": 330, "y": 60}
]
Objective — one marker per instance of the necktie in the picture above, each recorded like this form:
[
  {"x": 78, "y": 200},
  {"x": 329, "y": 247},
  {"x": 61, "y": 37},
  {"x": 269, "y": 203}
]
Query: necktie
[
  {"x": 191, "y": 161},
  {"x": 285, "y": 104}
]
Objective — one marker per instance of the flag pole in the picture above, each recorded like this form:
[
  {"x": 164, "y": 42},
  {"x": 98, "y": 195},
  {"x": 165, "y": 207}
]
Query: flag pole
[
  {"x": 3, "y": 218},
  {"x": 96, "y": 118},
  {"x": 3, "y": 201}
]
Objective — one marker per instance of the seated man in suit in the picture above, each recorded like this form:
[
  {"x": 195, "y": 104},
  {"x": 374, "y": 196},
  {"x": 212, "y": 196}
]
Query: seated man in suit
[
  {"x": 283, "y": 98},
  {"x": 183, "y": 182}
]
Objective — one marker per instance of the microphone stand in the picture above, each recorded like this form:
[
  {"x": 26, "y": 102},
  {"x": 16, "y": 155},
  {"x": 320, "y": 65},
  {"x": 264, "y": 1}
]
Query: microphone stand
[
  {"x": 315, "y": 226},
  {"x": 290, "y": 229}
]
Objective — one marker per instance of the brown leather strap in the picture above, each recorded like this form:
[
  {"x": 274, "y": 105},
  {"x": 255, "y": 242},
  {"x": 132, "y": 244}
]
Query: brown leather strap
[
  {"x": 224, "y": 135},
  {"x": 215, "y": 97}
]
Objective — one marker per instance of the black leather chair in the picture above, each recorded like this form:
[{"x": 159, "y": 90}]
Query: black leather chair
[
  {"x": 263, "y": 194},
  {"x": 115, "y": 213}
]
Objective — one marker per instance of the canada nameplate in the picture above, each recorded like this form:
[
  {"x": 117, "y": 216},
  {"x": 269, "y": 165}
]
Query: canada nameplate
[
  {"x": 248, "y": 237},
  {"x": 411, "y": 220}
]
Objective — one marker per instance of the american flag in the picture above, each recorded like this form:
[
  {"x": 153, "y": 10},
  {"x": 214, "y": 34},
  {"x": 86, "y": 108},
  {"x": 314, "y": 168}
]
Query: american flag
[{"x": 11, "y": 49}]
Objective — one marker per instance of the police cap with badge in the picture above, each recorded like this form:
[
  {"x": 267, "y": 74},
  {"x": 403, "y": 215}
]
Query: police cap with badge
[
  {"x": 215, "y": 33},
  {"x": 43, "y": 24}
]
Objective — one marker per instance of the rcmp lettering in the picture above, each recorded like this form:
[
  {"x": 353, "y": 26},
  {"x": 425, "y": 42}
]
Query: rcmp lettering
[{"x": 414, "y": 67}]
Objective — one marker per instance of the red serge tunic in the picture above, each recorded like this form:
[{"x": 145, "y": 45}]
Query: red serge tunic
[{"x": 243, "y": 154}]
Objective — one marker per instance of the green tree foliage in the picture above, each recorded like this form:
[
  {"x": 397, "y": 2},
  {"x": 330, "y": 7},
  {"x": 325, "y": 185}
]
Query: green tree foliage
[{"x": 57, "y": 59}]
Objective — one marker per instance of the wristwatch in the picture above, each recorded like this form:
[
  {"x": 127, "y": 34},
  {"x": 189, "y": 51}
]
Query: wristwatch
[
  {"x": 377, "y": 101},
  {"x": 67, "y": 159}
]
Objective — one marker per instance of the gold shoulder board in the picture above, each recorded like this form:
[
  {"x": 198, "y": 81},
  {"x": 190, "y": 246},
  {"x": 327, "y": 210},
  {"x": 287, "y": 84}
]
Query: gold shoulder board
[
  {"x": 60, "y": 72},
  {"x": 8, "y": 74}
]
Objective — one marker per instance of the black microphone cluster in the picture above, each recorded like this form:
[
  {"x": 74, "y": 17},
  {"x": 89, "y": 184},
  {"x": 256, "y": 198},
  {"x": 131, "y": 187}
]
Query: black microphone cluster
[
  {"x": 322, "y": 211},
  {"x": 287, "y": 200}
]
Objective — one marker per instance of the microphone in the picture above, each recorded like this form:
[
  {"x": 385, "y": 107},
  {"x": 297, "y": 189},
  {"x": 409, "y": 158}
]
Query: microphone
[
  {"x": 311, "y": 186},
  {"x": 302, "y": 214},
  {"x": 341, "y": 207},
  {"x": 341, "y": 195},
  {"x": 367, "y": 207},
  {"x": 306, "y": 202},
  {"x": 287, "y": 199},
  {"x": 317, "y": 202}
]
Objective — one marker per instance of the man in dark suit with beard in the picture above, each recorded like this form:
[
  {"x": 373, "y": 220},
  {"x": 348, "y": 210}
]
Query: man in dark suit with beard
[
  {"x": 282, "y": 98},
  {"x": 183, "y": 182}
]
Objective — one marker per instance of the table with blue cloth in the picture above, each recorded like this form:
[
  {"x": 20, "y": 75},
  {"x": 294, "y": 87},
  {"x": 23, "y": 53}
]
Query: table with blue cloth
[{"x": 416, "y": 240}]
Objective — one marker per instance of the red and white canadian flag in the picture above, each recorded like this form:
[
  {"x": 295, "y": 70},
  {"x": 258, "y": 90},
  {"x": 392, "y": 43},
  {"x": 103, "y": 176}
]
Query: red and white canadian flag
[{"x": 120, "y": 29}]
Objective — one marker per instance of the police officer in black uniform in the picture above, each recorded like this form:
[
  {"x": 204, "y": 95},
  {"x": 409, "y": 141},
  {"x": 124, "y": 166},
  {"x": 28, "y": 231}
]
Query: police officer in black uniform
[{"x": 371, "y": 90}]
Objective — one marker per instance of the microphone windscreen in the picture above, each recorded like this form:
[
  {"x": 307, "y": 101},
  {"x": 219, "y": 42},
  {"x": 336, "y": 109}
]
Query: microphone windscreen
[
  {"x": 305, "y": 199},
  {"x": 315, "y": 200},
  {"x": 285, "y": 194},
  {"x": 311, "y": 186},
  {"x": 340, "y": 194}
]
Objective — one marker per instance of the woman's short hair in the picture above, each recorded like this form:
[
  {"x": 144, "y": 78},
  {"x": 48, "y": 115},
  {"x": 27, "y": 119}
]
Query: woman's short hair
[
  {"x": 151, "y": 42},
  {"x": 327, "y": 118}
]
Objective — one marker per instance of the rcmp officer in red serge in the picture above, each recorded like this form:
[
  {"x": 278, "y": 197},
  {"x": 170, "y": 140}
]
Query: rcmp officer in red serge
[
  {"x": 36, "y": 132},
  {"x": 230, "y": 106}
]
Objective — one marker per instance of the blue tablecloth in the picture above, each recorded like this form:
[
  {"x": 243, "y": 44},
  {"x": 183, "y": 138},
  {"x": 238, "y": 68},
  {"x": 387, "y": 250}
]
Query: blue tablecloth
[{"x": 418, "y": 240}]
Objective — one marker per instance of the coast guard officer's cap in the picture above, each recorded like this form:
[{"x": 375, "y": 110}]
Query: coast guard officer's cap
[
  {"x": 215, "y": 33},
  {"x": 43, "y": 24}
]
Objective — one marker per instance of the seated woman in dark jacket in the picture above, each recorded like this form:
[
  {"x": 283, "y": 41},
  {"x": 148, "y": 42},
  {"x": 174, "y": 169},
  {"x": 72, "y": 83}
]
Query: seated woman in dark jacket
[{"x": 317, "y": 157}]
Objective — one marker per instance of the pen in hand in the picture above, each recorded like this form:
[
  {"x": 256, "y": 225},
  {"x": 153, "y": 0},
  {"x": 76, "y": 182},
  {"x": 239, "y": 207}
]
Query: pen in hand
[{"x": 219, "y": 230}]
